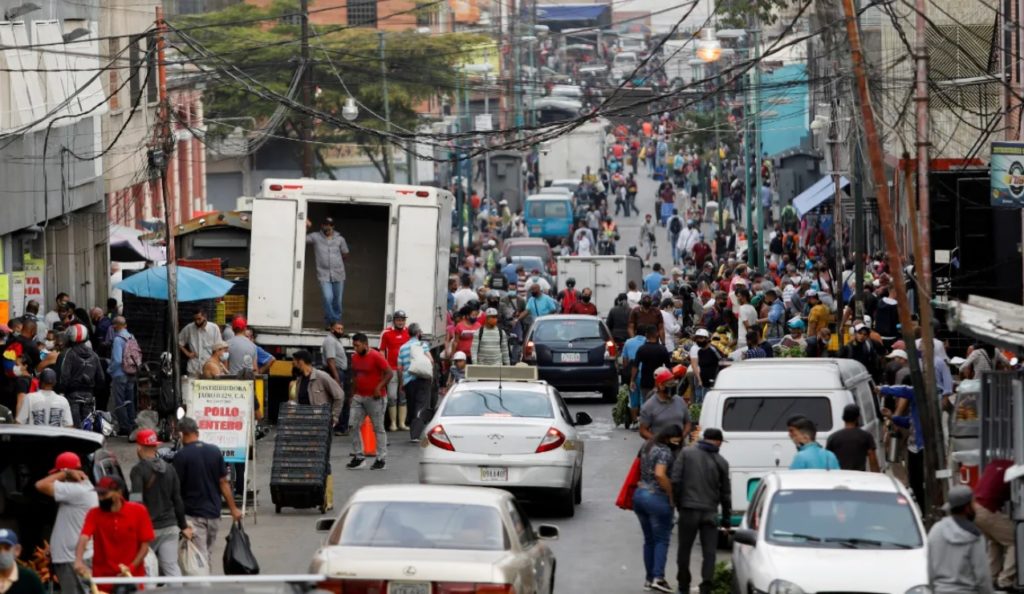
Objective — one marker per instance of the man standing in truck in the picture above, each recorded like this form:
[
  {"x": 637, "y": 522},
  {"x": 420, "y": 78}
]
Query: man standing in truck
[{"x": 330, "y": 250}]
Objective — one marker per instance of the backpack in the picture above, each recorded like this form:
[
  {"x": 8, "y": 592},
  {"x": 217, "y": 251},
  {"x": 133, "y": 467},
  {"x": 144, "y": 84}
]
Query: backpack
[
  {"x": 131, "y": 356},
  {"x": 789, "y": 243},
  {"x": 675, "y": 226},
  {"x": 14, "y": 350}
]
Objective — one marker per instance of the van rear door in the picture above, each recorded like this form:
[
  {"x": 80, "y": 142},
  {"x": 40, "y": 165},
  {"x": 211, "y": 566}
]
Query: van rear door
[
  {"x": 416, "y": 263},
  {"x": 273, "y": 263},
  {"x": 757, "y": 438}
]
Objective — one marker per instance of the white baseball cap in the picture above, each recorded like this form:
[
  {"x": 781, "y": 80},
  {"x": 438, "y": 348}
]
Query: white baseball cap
[
  {"x": 459, "y": 356},
  {"x": 702, "y": 332},
  {"x": 897, "y": 354}
]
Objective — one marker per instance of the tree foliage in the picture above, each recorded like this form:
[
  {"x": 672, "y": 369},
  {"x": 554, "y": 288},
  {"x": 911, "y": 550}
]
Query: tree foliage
[
  {"x": 345, "y": 61},
  {"x": 737, "y": 13}
]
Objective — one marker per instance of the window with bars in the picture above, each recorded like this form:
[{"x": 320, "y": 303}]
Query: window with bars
[
  {"x": 114, "y": 46},
  {"x": 362, "y": 13},
  {"x": 152, "y": 92},
  {"x": 134, "y": 65}
]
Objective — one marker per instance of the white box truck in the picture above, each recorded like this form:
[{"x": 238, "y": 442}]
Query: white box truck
[
  {"x": 399, "y": 241},
  {"x": 606, "y": 276},
  {"x": 569, "y": 155}
]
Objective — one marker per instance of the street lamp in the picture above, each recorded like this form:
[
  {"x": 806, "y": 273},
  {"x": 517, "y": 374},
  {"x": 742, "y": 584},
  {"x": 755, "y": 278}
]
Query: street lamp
[
  {"x": 709, "y": 49},
  {"x": 349, "y": 111}
]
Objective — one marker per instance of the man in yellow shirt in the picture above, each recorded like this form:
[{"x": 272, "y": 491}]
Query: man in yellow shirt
[{"x": 818, "y": 316}]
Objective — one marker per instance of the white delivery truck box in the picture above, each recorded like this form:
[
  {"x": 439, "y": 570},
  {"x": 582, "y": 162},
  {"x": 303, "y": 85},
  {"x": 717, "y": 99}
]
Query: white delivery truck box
[
  {"x": 399, "y": 241},
  {"x": 606, "y": 276}
]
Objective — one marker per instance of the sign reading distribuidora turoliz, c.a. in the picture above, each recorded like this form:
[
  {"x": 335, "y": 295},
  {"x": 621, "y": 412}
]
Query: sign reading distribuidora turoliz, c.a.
[{"x": 1007, "y": 174}]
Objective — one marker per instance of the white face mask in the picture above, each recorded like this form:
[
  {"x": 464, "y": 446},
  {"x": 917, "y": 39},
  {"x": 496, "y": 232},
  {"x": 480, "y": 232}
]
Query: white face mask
[
  {"x": 19, "y": 371},
  {"x": 48, "y": 344},
  {"x": 224, "y": 356}
]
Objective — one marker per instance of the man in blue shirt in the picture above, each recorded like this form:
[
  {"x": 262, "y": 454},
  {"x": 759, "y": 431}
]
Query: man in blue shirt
[
  {"x": 539, "y": 304},
  {"x": 809, "y": 453},
  {"x": 629, "y": 349},
  {"x": 907, "y": 403},
  {"x": 509, "y": 270},
  {"x": 122, "y": 385},
  {"x": 652, "y": 282}
]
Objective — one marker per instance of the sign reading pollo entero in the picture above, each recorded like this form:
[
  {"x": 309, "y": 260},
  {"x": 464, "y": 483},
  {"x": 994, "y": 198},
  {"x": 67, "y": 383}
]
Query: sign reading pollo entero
[{"x": 223, "y": 410}]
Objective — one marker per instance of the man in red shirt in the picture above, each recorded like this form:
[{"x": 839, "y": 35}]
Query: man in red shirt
[
  {"x": 391, "y": 340},
  {"x": 120, "y": 531},
  {"x": 370, "y": 376},
  {"x": 990, "y": 497},
  {"x": 584, "y": 306}
]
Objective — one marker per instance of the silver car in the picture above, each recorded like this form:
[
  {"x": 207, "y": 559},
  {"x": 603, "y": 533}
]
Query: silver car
[{"x": 427, "y": 539}]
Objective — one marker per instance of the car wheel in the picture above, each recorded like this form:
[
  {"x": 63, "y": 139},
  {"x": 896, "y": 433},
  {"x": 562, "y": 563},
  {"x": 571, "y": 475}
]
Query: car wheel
[
  {"x": 610, "y": 395},
  {"x": 577, "y": 492},
  {"x": 566, "y": 506}
]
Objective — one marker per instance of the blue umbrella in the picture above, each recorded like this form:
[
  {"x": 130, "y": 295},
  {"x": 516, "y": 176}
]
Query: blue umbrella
[{"x": 193, "y": 285}]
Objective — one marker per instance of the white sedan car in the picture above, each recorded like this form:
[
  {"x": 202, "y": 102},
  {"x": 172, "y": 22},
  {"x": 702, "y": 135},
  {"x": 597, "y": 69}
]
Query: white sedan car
[
  {"x": 515, "y": 435},
  {"x": 419, "y": 539},
  {"x": 809, "y": 531}
]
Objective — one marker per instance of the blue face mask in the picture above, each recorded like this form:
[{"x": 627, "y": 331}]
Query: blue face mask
[{"x": 678, "y": 313}]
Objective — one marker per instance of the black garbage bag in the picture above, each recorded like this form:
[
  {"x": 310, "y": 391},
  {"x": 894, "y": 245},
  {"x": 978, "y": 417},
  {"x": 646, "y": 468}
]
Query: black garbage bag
[{"x": 238, "y": 557}]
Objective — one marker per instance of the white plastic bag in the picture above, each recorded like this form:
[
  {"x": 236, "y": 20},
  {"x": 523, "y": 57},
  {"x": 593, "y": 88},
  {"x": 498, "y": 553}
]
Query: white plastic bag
[
  {"x": 419, "y": 363},
  {"x": 152, "y": 564},
  {"x": 191, "y": 559}
]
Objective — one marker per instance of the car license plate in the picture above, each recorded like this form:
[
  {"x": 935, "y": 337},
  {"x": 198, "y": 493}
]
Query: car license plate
[
  {"x": 408, "y": 587},
  {"x": 494, "y": 473},
  {"x": 571, "y": 357}
]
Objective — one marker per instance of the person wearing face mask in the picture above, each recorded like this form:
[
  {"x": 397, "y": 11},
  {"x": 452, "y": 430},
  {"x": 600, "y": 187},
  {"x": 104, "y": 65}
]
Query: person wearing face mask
[
  {"x": 81, "y": 372},
  {"x": 539, "y": 304},
  {"x": 700, "y": 481},
  {"x": 157, "y": 483},
  {"x": 330, "y": 251},
  {"x": 490, "y": 346},
  {"x": 74, "y": 495},
  {"x": 584, "y": 305},
  {"x": 704, "y": 363},
  {"x": 370, "y": 376},
  {"x": 568, "y": 296},
  {"x": 336, "y": 358},
  {"x": 217, "y": 364},
  {"x": 647, "y": 315},
  {"x": 15, "y": 579},
  {"x": 196, "y": 342},
  {"x": 22, "y": 384},
  {"x": 670, "y": 323},
  {"x": 652, "y": 504},
  {"x": 120, "y": 532},
  {"x": 809, "y": 455},
  {"x": 461, "y": 338}
]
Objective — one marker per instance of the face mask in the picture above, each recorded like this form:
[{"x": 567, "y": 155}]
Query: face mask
[
  {"x": 338, "y": 334},
  {"x": 19, "y": 371},
  {"x": 677, "y": 312},
  {"x": 6, "y": 560},
  {"x": 107, "y": 504},
  {"x": 49, "y": 344},
  {"x": 225, "y": 356},
  {"x": 585, "y": 298}
]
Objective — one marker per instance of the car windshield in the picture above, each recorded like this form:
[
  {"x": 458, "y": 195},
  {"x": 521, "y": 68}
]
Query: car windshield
[
  {"x": 497, "y": 403},
  {"x": 760, "y": 413},
  {"x": 540, "y": 209},
  {"x": 568, "y": 331},
  {"x": 535, "y": 251},
  {"x": 423, "y": 525},
  {"x": 836, "y": 518}
]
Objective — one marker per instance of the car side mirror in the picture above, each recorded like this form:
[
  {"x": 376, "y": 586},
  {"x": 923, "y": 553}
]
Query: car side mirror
[
  {"x": 547, "y": 532},
  {"x": 745, "y": 536},
  {"x": 583, "y": 418},
  {"x": 324, "y": 524}
]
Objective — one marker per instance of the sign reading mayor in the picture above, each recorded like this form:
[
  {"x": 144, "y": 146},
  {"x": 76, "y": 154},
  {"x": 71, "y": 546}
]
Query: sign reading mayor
[
  {"x": 223, "y": 411},
  {"x": 1007, "y": 174}
]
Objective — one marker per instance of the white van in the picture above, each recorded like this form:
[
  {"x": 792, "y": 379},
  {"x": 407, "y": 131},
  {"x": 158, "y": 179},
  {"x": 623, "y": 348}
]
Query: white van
[{"x": 752, "y": 401}]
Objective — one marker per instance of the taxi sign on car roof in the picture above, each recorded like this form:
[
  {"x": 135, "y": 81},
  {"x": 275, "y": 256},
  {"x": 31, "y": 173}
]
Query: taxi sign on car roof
[{"x": 507, "y": 373}]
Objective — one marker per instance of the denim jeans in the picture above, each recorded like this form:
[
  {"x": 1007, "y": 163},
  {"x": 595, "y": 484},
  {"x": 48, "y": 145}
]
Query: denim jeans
[
  {"x": 331, "y": 293},
  {"x": 123, "y": 388},
  {"x": 655, "y": 513},
  {"x": 698, "y": 394}
]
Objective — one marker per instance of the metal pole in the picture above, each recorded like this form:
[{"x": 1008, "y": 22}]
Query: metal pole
[
  {"x": 306, "y": 127},
  {"x": 487, "y": 149},
  {"x": 927, "y": 407},
  {"x": 467, "y": 165},
  {"x": 859, "y": 240},
  {"x": 747, "y": 130},
  {"x": 166, "y": 142},
  {"x": 385, "y": 145},
  {"x": 757, "y": 145},
  {"x": 837, "y": 208}
]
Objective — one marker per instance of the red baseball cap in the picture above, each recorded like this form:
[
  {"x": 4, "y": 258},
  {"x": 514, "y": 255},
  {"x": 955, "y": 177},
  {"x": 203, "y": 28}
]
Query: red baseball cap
[
  {"x": 67, "y": 461},
  {"x": 662, "y": 376},
  {"x": 110, "y": 483},
  {"x": 239, "y": 324},
  {"x": 146, "y": 437}
]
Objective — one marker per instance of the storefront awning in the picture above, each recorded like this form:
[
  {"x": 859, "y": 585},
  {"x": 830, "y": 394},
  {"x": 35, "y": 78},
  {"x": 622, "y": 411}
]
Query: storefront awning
[{"x": 822, "y": 190}]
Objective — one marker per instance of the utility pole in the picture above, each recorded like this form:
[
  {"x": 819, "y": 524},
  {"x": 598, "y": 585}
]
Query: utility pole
[
  {"x": 159, "y": 158},
  {"x": 747, "y": 186},
  {"x": 386, "y": 145},
  {"x": 757, "y": 148},
  {"x": 927, "y": 407},
  {"x": 859, "y": 231},
  {"x": 837, "y": 209},
  {"x": 306, "y": 127}
]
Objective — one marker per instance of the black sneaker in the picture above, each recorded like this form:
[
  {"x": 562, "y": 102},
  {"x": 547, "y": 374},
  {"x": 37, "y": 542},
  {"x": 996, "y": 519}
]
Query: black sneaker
[
  {"x": 661, "y": 585},
  {"x": 355, "y": 463},
  {"x": 378, "y": 464}
]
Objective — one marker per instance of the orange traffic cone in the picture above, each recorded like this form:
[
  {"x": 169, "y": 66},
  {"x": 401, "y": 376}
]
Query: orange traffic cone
[{"x": 369, "y": 437}]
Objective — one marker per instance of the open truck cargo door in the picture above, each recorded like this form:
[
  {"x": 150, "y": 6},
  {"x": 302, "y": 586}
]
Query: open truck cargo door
[
  {"x": 417, "y": 235},
  {"x": 273, "y": 263}
]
